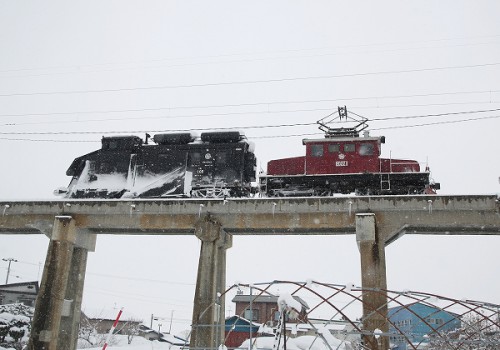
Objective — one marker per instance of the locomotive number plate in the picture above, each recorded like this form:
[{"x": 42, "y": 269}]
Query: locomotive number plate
[{"x": 341, "y": 163}]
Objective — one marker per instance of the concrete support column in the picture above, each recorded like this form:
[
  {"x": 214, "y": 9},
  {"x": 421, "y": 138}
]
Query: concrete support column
[
  {"x": 58, "y": 305},
  {"x": 208, "y": 313},
  {"x": 70, "y": 321},
  {"x": 373, "y": 280},
  {"x": 52, "y": 293},
  {"x": 224, "y": 242}
]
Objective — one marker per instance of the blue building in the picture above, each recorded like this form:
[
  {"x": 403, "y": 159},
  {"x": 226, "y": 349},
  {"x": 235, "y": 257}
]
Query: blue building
[{"x": 415, "y": 322}]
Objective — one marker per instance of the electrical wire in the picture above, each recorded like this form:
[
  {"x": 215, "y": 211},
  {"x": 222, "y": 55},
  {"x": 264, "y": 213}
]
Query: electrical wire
[
  {"x": 198, "y": 115},
  {"x": 46, "y": 140},
  {"x": 141, "y": 279},
  {"x": 342, "y": 47},
  {"x": 267, "y": 112},
  {"x": 247, "y": 82},
  {"x": 247, "y": 127},
  {"x": 257, "y": 137},
  {"x": 251, "y": 104},
  {"x": 436, "y": 115},
  {"x": 78, "y": 68},
  {"x": 147, "y": 298},
  {"x": 147, "y": 131},
  {"x": 437, "y": 123}
]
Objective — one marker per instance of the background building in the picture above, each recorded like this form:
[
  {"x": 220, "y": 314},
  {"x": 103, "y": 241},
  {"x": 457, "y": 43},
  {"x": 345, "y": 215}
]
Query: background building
[
  {"x": 24, "y": 293},
  {"x": 264, "y": 309},
  {"x": 418, "y": 322}
]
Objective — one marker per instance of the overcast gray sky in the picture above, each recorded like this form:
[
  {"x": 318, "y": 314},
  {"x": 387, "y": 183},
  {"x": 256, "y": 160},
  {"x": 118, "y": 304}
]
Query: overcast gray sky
[{"x": 71, "y": 72}]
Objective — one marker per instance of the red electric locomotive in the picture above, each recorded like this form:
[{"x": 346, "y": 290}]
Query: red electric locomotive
[{"x": 344, "y": 162}]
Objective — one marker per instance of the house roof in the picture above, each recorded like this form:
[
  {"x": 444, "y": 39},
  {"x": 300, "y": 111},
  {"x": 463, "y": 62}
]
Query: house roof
[
  {"x": 430, "y": 309},
  {"x": 21, "y": 288},
  {"x": 110, "y": 314},
  {"x": 241, "y": 298},
  {"x": 164, "y": 337},
  {"x": 241, "y": 320},
  {"x": 173, "y": 339},
  {"x": 240, "y": 324}
]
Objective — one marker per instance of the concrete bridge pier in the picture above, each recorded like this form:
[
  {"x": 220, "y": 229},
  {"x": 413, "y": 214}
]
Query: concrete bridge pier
[
  {"x": 57, "y": 310},
  {"x": 374, "y": 281},
  {"x": 209, "y": 303}
]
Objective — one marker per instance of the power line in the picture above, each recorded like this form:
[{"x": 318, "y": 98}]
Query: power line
[
  {"x": 343, "y": 47},
  {"x": 78, "y": 69},
  {"x": 250, "y": 104},
  {"x": 102, "y": 120},
  {"x": 45, "y": 140},
  {"x": 198, "y": 115},
  {"x": 248, "y": 82},
  {"x": 148, "y": 298},
  {"x": 147, "y": 131},
  {"x": 437, "y": 123},
  {"x": 281, "y": 136},
  {"x": 141, "y": 279},
  {"x": 435, "y": 115},
  {"x": 242, "y": 127}
]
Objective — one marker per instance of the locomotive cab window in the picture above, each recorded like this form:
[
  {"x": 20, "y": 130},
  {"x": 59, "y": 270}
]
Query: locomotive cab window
[
  {"x": 349, "y": 147},
  {"x": 317, "y": 150},
  {"x": 366, "y": 149},
  {"x": 334, "y": 148}
]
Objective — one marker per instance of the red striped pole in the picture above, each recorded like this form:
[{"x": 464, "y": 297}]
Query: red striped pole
[{"x": 112, "y": 329}]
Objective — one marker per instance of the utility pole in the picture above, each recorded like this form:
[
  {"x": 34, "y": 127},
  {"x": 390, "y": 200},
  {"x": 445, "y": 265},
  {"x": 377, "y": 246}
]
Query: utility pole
[
  {"x": 171, "y": 319},
  {"x": 10, "y": 260}
]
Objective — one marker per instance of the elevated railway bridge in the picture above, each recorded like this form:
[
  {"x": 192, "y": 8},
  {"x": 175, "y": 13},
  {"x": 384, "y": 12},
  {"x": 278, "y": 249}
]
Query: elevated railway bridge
[{"x": 73, "y": 226}]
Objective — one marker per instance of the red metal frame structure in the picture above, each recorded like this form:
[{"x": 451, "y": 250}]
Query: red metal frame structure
[{"x": 342, "y": 304}]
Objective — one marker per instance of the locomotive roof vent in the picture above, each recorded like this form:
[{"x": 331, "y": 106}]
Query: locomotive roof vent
[
  {"x": 354, "y": 125},
  {"x": 174, "y": 138},
  {"x": 121, "y": 142},
  {"x": 222, "y": 136}
]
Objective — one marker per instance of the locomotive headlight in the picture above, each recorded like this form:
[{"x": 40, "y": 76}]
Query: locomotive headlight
[{"x": 208, "y": 156}]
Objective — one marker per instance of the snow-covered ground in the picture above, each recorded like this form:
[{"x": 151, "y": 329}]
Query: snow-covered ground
[
  {"x": 299, "y": 343},
  {"x": 119, "y": 342},
  {"x": 305, "y": 342}
]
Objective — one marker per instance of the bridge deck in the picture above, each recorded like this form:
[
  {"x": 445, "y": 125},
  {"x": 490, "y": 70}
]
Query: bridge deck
[{"x": 465, "y": 215}]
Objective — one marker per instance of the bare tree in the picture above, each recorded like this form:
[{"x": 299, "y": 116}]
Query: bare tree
[
  {"x": 88, "y": 335},
  {"x": 131, "y": 328},
  {"x": 476, "y": 333}
]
